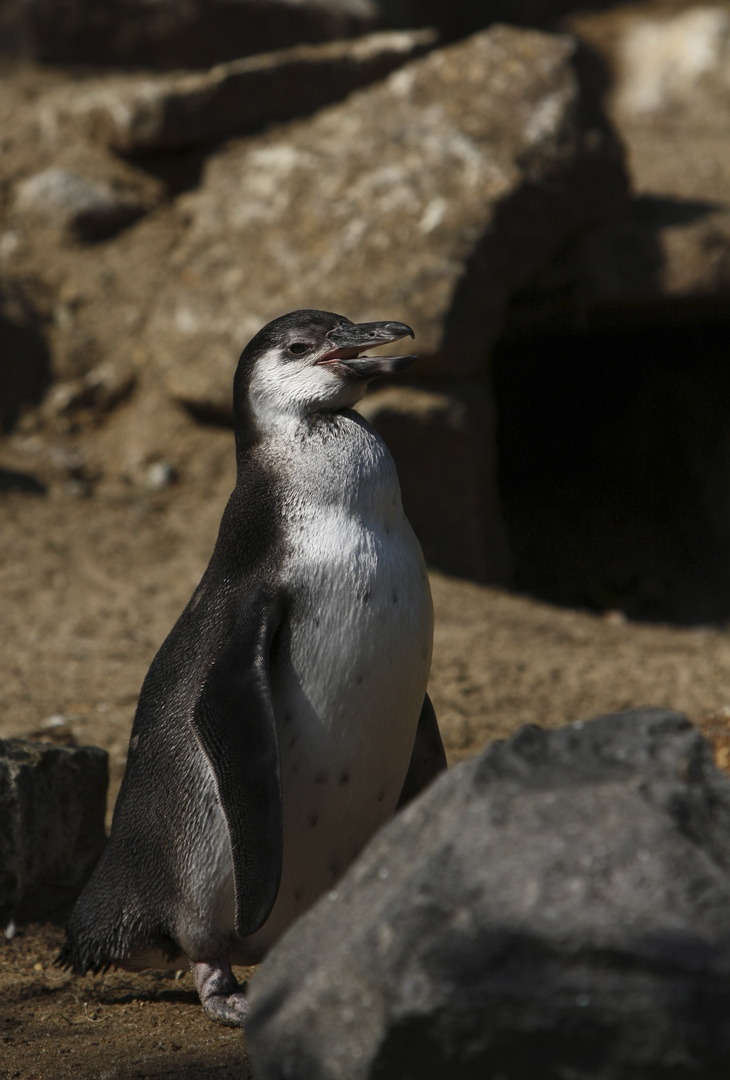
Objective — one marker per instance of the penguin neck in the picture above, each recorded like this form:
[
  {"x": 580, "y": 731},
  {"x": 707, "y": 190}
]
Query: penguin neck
[
  {"x": 283, "y": 428},
  {"x": 329, "y": 454}
]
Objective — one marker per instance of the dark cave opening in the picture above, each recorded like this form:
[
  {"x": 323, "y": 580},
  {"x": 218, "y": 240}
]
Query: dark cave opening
[{"x": 614, "y": 467}]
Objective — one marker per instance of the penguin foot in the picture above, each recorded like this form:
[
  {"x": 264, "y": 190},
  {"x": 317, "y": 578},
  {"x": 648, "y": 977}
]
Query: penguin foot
[{"x": 221, "y": 996}]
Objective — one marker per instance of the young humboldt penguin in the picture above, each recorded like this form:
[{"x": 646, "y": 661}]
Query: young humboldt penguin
[{"x": 285, "y": 717}]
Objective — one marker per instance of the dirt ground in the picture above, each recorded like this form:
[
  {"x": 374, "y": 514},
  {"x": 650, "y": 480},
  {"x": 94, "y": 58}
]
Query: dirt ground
[{"x": 90, "y": 586}]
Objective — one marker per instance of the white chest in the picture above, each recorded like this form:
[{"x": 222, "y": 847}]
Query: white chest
[{"x": 349, "y": 679}]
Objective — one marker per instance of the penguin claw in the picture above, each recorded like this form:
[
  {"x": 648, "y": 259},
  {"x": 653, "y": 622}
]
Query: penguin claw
[{"x": 222, "y": 998}]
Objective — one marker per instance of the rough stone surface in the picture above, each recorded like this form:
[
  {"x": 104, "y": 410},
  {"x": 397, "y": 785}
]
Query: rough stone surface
[
  {"x": 98, "y": 392},
  {"x": 441, "y": 438},
  {"x": 73, "y": 203},
  {"x": 136, "y": 113},
  {"x": 52, "y": 804},
  {"x": 558, "y": 907},
  {"x": 430, "y": 198}
]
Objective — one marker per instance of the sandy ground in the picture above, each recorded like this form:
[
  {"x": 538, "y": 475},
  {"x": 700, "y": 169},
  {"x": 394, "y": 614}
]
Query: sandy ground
[{"x": 89, "y": 588}]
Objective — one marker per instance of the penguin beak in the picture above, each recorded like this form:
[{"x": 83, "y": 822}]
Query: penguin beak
[{"x": 352, "y": 340}]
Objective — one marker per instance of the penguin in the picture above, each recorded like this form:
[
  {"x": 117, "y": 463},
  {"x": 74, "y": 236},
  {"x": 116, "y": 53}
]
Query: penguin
[{"x": 285, "y": 717}]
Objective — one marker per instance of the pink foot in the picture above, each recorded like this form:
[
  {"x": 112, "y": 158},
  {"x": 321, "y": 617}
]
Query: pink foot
[{"x": 221, "y": 996}]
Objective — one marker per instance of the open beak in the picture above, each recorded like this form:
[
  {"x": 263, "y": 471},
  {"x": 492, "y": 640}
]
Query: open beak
[{"x": 351, "y": 342}]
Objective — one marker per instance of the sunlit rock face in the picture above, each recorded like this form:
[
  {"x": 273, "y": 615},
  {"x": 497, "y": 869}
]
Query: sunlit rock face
[{"x": 434, "y": 195}]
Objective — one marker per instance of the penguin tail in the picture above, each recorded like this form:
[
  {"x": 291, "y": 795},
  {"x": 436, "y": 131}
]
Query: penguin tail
[
  {"x": 81, "y": 959},
  {"x": 96, "y": 937}
]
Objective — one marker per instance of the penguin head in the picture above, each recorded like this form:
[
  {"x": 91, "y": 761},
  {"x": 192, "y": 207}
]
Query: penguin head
[{"x": 313, "y": 361}]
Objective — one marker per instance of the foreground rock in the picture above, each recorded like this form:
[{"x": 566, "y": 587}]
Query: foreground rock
[
  {"x": 52, "y": 805},
  {"x": 433, "y": 196},
  {"x": 558, "y": 907},
  {"x": 135, "y": 113}
]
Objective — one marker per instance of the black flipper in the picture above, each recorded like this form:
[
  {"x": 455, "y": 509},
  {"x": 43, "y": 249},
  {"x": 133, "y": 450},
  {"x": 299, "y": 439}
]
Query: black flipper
[
  {"x": 234, "y": 722},
  {"x": 428, "y": 758}
]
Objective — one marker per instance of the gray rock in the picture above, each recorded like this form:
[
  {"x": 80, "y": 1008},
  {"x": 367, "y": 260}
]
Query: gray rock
[
  {"x": 136, "y": 113},
  {"x": 559, "y": 907},
  {"x": 70, "y": 202},
  {"x": 431, "y": 196},
  {"x": 52, "y": 805},
  {"x": 441, "y": 437}
]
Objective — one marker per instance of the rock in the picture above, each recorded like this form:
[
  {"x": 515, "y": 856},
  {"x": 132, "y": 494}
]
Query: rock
[
  {"x": 185, "y": 33},
  {"x": 52, "y": 805},
  {"x": 98, "y": 392},
  {"x": 667, "y": 263},
  {"x": 677, "y": 67},
  {"x": 441, "y": 438},
  {"x": 558, "y": 907},
  {"x": 199, "y": 33},
  {"x": 430, "y": 197},
  {"x": 136, "y": 113},
  {"x": 70, "y": 202},
  {"x": 159, "y": 476}
]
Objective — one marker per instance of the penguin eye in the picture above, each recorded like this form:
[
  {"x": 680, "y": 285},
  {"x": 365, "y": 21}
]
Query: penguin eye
[{"x": 298, "y": 347}]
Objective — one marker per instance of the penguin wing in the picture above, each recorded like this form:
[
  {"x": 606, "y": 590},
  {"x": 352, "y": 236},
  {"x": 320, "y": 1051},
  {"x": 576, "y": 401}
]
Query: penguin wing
[
  {"x": 428, "y": 758},
  {"x": 234, "y": 723}
]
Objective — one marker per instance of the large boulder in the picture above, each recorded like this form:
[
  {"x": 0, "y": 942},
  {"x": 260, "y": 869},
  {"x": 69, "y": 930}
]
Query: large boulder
[
  {"x": 52, "y": 806},
  {"x": 558, "y": 907},
  {"x": 430, "y": 197},
  {"x": 142, "y": 113}
]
